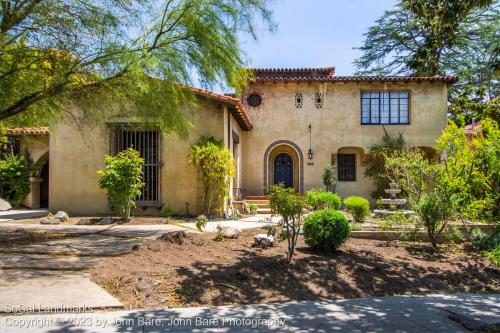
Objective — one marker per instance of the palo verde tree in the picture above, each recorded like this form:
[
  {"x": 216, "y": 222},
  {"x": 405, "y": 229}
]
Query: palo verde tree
[
  {"x": 426, "y": 38},
  {"x": 216, "y": 166},
  {"x": 127, "y": 56}
]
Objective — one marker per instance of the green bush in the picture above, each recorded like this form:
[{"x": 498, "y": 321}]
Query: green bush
[
  {"x": 253, "y": 208},
  {"x": 320, "y": 199},
  {"x": 14, "y": 179},
  {"x": 122, "y": 178},
  {"x": 326, "y": 229},
  {"x": 201, "y": 222},
  {"x": 168, "y": 211},
  {"x": 358, "y": 207},
  {"x": 494, "y": 255},
  {"x": 434, "y": 212}
]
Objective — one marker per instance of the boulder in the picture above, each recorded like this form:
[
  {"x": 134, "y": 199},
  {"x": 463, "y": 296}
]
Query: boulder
[
  {"x": 175, "y": 237},
  {"x": 106, "y": 220},
  {"x": 48, "y": 220},
  {"x": 263, "y": 240},
  {"x": 62, "y": 216},
  {"x": 4, "y": 205},
  {"x": 229, "y": 232},
  {"x": 85, "y": 222}
]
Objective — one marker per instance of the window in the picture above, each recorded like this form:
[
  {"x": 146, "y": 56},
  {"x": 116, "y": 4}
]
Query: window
[
  {"x": 384, "y": 108},
  {"x": 147, "y": 142},
  {"x": 299, "y": 100},
  {"x": 254, "y": 100},
  {"x": 318, "y": 100},
  {"x": 347, "y": 167}
]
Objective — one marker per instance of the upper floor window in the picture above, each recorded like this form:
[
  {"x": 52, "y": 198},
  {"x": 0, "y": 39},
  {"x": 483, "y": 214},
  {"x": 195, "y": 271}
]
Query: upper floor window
[{"x": 385, "y": 108}]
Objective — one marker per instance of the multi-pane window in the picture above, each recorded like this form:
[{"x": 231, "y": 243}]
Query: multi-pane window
[
  {"x": 346, "y": 167},
  {"x": 385, "y": 108},
  {"x": 147, "y": 143}
]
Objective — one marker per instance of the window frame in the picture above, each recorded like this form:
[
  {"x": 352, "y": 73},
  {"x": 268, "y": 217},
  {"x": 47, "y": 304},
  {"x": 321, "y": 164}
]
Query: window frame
[
  {"x": 379, "y": 112},
  {"x": 339, "y": 166},
  {"x": 119, "y": 129}
]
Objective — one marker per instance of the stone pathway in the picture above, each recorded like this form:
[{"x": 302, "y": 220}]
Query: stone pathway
[
  {"x": 429, "y": 313},
  {"x": 54, "y": 273}
]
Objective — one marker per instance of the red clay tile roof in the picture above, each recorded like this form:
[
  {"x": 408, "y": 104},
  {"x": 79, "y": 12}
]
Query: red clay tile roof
[
  {"x": 28, "y": 131},
  {"x": 235, "y": 106},
  {"x": 327, "y": 74},
  {"x": 293, "y": 74}
]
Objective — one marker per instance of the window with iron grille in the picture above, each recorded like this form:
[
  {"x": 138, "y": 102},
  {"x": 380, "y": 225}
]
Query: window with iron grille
[
  {"x": 385, "y": 108},
  {"x": 147, "y": 143},
  {"x": 346, "y": 167}
]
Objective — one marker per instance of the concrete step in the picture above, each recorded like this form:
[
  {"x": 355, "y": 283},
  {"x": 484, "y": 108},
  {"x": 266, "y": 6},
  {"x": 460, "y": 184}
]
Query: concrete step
[
  {"x": 257, "y": 197},
  {"x": 264, "y": 211}
]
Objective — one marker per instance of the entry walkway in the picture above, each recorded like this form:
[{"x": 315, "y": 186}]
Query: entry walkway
[{"x": 429, "y": 313}]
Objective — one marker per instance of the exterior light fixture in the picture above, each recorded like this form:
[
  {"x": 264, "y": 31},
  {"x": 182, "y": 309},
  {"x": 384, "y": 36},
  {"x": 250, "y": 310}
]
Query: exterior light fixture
[{"x": 310, "y": 153}]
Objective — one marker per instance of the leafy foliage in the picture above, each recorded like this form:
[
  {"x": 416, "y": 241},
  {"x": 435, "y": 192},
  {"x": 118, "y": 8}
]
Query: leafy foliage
[
  {"x": 320, "y": 199},
  {"x": 375, "y": 168},
  {"x": 326, "y": 229},
  {"x": 106, "y": 56},
  {"x": 421, "y": 37},
  {"x": 216, "y": 166},
  {"x": 253, "y": 208},
  {"x": 494, "y": 255},
  {"x": 290, "y": 205},
  {"x": 122, "y": 179},
  {"x": 358, "y": 207},
  {"x": 14, "y": 179},
  {"x": 201, "y": 222},
  {"x": 435, "y": 213},
  {"x": 329, "y": 177}
]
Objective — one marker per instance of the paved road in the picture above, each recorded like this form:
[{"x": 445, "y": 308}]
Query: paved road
[{"x": 387, "y": 314}]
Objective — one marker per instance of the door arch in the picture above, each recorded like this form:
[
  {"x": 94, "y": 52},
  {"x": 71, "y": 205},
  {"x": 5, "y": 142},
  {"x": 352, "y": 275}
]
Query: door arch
[
  {"x": 283, "y": 170},
  {"x": 295, "y": 153}
]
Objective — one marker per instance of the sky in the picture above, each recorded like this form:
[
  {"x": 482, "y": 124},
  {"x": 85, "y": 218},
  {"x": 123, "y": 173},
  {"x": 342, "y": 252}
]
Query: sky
[{"x": 315, "y": 33}]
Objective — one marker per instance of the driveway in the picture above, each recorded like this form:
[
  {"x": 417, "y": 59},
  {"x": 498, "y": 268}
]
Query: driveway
[{"x": 54, "y": 274}]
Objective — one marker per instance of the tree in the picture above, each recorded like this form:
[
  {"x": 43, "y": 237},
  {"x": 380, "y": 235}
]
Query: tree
[
  {"x": 122, "y": 178},
  {"x": 425, "y": 38},
  {"x": 376, "y": 166},
  {"x": 106, "y": 56},
  {"x": 216, "y": 166},
  {"x": 290, "y": 205}
]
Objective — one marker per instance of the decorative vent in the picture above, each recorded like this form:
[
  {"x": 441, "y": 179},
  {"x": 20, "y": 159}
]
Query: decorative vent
[
  {"x": 299, "y": 100},
  {"x": 318, "y": 99},
  {"x": 254, "y": 100}
]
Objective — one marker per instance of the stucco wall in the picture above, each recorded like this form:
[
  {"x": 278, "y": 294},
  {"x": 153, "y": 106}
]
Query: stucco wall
[
  {"x": 75, "y": 159},
  {"x": 337, "y": 124},
  {"x": 36, "y": 145}
]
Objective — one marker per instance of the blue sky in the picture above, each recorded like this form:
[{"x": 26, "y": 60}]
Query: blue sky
[{"x": 315, "y": 33}]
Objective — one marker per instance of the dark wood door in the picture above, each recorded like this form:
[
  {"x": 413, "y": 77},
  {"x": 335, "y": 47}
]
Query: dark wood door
[{"x": 283, "y": 170}]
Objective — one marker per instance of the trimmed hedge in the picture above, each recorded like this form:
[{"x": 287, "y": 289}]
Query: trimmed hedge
[
  {"x": 320, "y": 199},
  {"x": 358, "y": 207},
  {"x": 326, "y": 229}
]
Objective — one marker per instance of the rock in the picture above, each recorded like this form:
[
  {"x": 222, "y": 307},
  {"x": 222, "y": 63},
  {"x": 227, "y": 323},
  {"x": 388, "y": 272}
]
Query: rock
[
  {"x": 85, "y": 222},
  {"x": 176, "y": 237},
  {"x": 263, "y": 240},
  {"x": 106, "y": 220},
  {"x": 154, "y": 247},
  {"x": 62, "y": 216},
  {"x": 4, "y": 205},
  {"x": 136, "y": 247},
  {"x": 229, "y": 232},
  {"x": 48, "y": 220}
]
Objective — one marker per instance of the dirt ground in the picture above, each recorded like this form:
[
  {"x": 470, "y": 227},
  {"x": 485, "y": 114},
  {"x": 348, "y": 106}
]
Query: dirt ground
[
  {"x": 203, "y": 272},
  {"x": 133, "y": 220}
]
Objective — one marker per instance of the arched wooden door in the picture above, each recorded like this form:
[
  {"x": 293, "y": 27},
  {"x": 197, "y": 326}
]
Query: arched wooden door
[{"x": 283, "y": 170}]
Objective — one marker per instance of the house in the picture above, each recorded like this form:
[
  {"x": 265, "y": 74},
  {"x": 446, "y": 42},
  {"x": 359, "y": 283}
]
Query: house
[{"x": 284, "y": 128}]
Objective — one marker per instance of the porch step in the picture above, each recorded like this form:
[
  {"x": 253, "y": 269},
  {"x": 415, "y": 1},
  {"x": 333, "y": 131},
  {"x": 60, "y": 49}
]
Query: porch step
[
  {"x": 257, "y": 197},
  {"x": 262, "y": 203},
  {"x": 264, "y": 211}
]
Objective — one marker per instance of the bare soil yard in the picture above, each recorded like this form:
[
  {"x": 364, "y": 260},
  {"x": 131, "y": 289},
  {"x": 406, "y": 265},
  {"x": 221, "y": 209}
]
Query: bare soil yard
[{"x": 201, "y": 271}]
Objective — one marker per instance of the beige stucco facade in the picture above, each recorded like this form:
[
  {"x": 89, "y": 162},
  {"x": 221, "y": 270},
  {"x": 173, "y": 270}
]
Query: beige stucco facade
[
  {"x": 336, "y": 127},
  {"x": 278, "y": 126}
]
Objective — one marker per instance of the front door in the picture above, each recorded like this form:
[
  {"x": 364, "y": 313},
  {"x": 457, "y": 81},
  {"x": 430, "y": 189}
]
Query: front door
[{"x": 283, "y": 170}]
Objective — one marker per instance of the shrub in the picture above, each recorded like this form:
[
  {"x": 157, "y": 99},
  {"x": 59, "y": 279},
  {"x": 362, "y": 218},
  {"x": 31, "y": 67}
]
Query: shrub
[
  {"x": 358, "y": 207},
  {"x": 14, "y": 179},
  {"x": 201, "y": 222},
  {"x": 434, "y": 212},
  {"x": 329, "y": 177},
  {"x": 286, "y": 203},
  {"x": 168, "y": 211},
  {"x": 122, "y": 178},
  {"x": 253, "y": 208},
  {"x": 216, "y": 166},
  {"x": 326, "y": 229},
  {"x": 320, "y": 199},
  {"x": 494, "y": 255}
]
